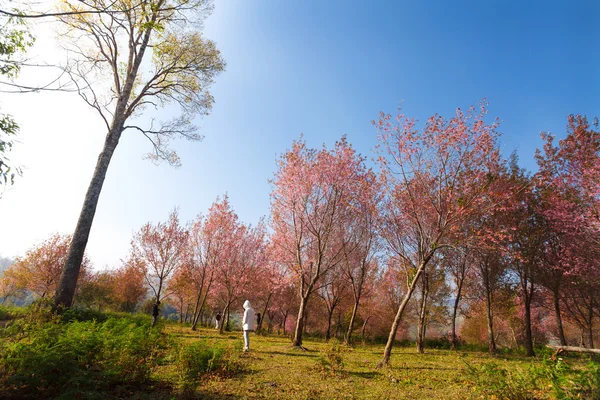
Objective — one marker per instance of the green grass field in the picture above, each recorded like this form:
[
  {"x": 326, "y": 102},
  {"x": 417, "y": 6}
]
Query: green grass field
[
  {"x": 273, "y": 369},
  {"x": 118, "y": 356}
]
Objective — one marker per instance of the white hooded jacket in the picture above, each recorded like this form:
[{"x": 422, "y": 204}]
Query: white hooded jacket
[{"x": 248, "y": 320}]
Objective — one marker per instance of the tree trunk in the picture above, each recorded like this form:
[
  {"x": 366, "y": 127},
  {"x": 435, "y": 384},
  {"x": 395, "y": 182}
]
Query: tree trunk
[
  {"x": 65, "y": 290},
  {"x": 528, "y": 333},
  {"x": 561, "y": 332},
  {"x": 490, "y": 322},
  {"x": 223, "y": 316},
  {"x": 339, "y": 325},
  {"x": 453, "y": 339},
  {"x": 421, "y": 326},
  {"x": 228, "y": 326},
  {"x": 299, "y": 323},
  {"x": 284, "y": 322},
  {"x": 196, "y": 314},
  {"x": 364, "y": 328},
  {"x": 590, "y": 328},
  {"x": 392, "y": 336},
  {"x": 329, "y": 316},
  {"x": 264, "y": 313},
  {"x": 348, "y": 337}
]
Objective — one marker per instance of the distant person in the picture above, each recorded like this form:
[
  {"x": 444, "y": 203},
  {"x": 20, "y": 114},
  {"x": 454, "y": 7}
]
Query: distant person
[
  {"x": 218, "y": 319},
  {"x": 258, "y": 318},
  {"x": 247, "y": 324},
  {"x": 155, "y": 312}
]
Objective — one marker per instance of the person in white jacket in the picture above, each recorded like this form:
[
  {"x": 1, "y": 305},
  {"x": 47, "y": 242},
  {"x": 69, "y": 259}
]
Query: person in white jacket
[{"x": 247, "y": 324}]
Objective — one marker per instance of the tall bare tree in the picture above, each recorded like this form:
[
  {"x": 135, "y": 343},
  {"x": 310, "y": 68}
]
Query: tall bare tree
[{"x": 116, "y": 44}]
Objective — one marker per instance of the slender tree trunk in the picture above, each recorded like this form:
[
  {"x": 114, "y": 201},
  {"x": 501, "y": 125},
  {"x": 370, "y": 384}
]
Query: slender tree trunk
[
  {"x": 364, "y": 328},
  {"x": 453, "y": 339},
  {"x": 264, "y": 313},
  {"x": 196, "y": 314},
  {"x": 329, "y": 316},
  {"x": 300, "y": 323},
  {"x": 228, "y": 326},
  {"x": 489, "y": 301},
  {"x": 348, "y": 337},
  {"x": 65, "y": 290},
  {"x": 387, "y": 352},
  {"x": 421, "y": 327},
  {"x": 223, "y": 316},
  {"x": 340, "y": 328},
  {"x": 490, "y": 322},
  {"x": 528, "y": 333},
  {"x": 590, "y": 328},
  {"x": 561, "y": 332},
  {"x": 284, "y": 322}
]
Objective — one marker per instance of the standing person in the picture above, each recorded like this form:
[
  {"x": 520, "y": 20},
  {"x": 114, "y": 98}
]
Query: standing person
[
  {"x": 258, "y": 319},
  {"x": 218, "y": 319},
  {"x": 155, "y": 312},
  {"x": 247, "y": 324}
]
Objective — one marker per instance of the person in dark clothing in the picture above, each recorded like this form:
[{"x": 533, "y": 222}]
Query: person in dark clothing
[
  {"x": 258, "y": 318},
  {"x": 155, "y": 313}
]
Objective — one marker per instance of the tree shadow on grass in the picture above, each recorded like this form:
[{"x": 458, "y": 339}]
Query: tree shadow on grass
[
  {"x": 365, "y": 374},
  {"x": 298, "y": 354}
]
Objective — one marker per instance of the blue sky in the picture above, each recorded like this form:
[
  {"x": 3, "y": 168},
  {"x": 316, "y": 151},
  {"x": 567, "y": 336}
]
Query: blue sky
[{"x": 318, "y": 68}]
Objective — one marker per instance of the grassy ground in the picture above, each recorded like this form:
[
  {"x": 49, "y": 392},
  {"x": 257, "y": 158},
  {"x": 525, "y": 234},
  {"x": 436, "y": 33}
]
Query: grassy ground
[
  {"x": 273, "y": 369},
  {"x": 118, "y": 356}
]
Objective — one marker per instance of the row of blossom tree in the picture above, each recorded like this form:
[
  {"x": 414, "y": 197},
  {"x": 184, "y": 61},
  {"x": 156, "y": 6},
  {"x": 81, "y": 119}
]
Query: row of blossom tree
[{"x": 446, "y": 217}]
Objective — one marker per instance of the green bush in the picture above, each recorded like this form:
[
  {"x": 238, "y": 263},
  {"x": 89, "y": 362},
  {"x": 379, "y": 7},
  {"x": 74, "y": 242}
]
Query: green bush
[
  {"x": 11, "y": 312},
  {"x": 493, "y": 381},
  {"x": 571, "y": 383},
  {"x": 199, "y": 359},
  {"x": 331, "y": 360},
  {"x": 42, "y": 355},
  {"x": 566, "y": 382}
]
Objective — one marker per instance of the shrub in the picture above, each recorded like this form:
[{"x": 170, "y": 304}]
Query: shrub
[
  {"x": 493, "y": 381},
  {"x": 331, "y": 360},
  {"x": 197, "y": 360},
  {"x": 41, "y": 355},
  {"x": 11, "y": 312},
  {"x": 571, "y": 383}
]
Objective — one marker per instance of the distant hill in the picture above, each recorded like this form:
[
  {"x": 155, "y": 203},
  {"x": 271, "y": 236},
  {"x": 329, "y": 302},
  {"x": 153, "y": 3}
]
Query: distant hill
[{"x": 4, "y": 263}]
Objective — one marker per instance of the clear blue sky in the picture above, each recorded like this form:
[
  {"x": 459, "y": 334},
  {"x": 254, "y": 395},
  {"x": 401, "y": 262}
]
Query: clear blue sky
[{"x": 323, "y": 69}]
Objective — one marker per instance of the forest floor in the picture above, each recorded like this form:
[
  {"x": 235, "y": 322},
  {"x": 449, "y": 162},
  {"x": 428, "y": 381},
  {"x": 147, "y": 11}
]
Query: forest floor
[{"x": 273, "y": 369}]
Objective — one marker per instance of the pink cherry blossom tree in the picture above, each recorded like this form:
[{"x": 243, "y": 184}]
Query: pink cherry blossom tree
[
  {"x": 312, "y": 189},
  {"x": 435, "y": 179}
]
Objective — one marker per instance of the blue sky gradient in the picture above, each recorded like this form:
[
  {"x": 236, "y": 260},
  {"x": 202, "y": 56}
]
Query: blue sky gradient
[{"x": 326, "y": 69}]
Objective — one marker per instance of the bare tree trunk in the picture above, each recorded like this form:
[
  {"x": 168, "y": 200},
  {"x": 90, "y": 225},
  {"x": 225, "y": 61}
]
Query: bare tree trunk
[
  {"x": 392, "y": 336},
  {"x": 299, "y": 323},
  {"x": 454, "y": 340},
  {"x": 196, "y": 313},
  {"x": 339, "y": 325},
  {"x": 284, "y": 322},
  {"x": 264, "y": 313},
  {"x": 590, "y": 328},
  {"x": 561, "y": 332},
  {"x": 348, "y": 337},
  {"x": 329, "y": 316},
  {"x": 490, "y": 322},
  {"x": 489, "y": 300},
  {"x": 528, "y": 333},
  {"x": 65, "y": 290},
  {"x": 228, "y": 326},
  {"x": 222, "y": 321},
  {"x": 364, "y": 328},
  {"x": 421, "y": 326}
]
